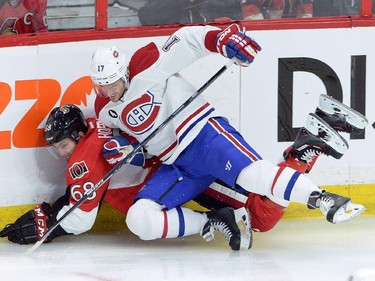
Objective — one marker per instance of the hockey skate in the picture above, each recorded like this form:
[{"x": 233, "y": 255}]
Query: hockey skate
[
  {"x": 336, "y": 208},
  {"x": 339, "y": 116},
  {"x": 315, "y": 139},
  {"x": 225, "y": 221}
]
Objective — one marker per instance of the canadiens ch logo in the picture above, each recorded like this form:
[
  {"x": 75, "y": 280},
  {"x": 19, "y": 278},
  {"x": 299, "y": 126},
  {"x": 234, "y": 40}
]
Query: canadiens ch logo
[
  {"x": 139, "y": 115},
  {"x": 78, "y": 170}
]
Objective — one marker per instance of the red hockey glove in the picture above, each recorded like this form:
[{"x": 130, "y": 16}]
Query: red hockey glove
[
  {"x": 233, "y": 42},
  {"x": 118, "y": 147},
  {"x": 30, "y": 227}
]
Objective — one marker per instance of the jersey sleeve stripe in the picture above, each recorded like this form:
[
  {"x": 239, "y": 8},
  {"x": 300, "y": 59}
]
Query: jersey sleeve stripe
[{"x": 251, "y": 154}]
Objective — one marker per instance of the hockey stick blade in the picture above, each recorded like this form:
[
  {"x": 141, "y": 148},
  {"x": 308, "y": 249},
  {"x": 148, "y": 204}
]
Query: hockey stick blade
[{"x": 128, "y": 158}]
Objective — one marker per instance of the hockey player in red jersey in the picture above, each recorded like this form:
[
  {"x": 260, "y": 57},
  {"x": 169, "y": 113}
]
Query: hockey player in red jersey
[
  {"x": 23, "y": 16},
  {"x": 83, "y": 143},
  {"x": 200, "y": 147}
]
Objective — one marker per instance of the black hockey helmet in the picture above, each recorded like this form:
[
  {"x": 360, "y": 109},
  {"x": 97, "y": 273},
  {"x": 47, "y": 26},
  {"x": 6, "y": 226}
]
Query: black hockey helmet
[{"x": 65, "y": 121}]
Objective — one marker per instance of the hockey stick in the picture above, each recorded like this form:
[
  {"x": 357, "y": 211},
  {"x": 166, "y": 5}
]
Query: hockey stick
[{"x": 128, "y": 158}]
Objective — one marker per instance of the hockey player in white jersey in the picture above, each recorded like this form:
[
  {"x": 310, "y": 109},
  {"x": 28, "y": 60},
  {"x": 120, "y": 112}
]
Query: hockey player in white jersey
[
  {"x": 198, "y": 146},
  {"x": 221, "y": 199}
]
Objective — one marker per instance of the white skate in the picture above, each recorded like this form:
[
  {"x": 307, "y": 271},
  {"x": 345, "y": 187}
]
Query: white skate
[
  {"x": 339, "y": 116},
  {"x": 336, "y": 144},
  {"x": 336, "y": 208}
]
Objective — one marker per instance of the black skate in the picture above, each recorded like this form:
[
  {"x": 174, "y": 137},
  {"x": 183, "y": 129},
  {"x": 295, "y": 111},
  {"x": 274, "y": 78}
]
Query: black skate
[
  {"x": 339, "y": 116},
  {"x": 225, "y": 221},
  {"x": 336, "y": 208},
  {"x": 315, "y": 139}
]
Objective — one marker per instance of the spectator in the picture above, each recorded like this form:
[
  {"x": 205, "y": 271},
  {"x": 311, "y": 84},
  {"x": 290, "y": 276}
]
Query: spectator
[
  {"x": 23, "y": 16},
  {"x": 275, "y": 9},
  {"x": 158, "y": 12},
  {"x": 324, "y": 8}
]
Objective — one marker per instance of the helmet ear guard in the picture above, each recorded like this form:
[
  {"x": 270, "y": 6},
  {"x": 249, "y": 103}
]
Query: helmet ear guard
[{"x": 63, "y": 122}]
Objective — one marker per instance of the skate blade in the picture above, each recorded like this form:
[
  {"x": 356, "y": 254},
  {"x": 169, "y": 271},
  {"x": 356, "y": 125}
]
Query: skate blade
[
  {"x": 242, "y": 216},
  {"x": 348, "y": 212},
  {"x": 353, "y": 117},
  {"x": 315, "y": 124}
]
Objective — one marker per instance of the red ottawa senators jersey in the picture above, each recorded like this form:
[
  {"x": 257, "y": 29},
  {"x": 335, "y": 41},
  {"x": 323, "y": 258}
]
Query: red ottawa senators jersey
[
  {"x": 87, "y": 167},
  {"x": 22, "y": 16}
]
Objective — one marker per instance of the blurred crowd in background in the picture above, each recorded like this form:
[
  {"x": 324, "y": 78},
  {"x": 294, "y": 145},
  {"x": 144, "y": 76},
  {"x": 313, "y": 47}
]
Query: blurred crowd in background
[{"x": 25, "y": 16}]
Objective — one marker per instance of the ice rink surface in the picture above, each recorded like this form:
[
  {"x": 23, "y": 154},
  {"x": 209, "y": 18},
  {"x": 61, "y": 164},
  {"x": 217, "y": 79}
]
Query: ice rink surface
[{"x": 296, "y": 250}]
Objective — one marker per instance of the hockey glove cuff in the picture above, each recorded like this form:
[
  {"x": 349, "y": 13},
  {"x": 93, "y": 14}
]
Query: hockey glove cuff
[
  {"x": 30, "y": 227},
  {"x": 232, "y": 42}
]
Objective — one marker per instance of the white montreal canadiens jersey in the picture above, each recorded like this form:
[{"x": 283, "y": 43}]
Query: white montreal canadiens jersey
[{"x": 157, "y": 91}]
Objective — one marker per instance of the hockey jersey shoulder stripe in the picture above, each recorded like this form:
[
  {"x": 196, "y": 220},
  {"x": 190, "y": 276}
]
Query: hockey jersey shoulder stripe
[{"x": 143, "y": 59}]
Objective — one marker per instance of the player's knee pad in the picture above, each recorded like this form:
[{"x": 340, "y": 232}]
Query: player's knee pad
[{"x": 145, "y": 219}]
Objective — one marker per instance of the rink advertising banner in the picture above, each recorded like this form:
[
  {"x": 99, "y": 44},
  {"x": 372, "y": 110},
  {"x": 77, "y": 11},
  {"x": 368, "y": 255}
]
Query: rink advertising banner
[{"x": 268, "y": 101}]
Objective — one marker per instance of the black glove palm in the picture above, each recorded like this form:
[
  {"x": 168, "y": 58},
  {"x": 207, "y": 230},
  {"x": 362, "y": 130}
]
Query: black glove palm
[{"x": 29, "y": 227}]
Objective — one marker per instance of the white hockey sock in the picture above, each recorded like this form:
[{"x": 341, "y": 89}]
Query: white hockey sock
[
  {"x": 149, "y": 221},
  {"x": 182, "y": 222},
  {"x": 280, "y": 184},
  {"x": 292, "y": 186}
]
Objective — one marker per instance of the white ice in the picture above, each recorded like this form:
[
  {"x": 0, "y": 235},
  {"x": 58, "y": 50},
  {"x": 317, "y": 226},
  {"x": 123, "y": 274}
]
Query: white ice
[{"x": 295, "y": 250}]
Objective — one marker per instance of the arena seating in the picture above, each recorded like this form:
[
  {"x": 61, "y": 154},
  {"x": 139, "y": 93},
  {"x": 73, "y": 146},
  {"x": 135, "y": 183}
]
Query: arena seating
[{"x": 80, "y": 14}]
